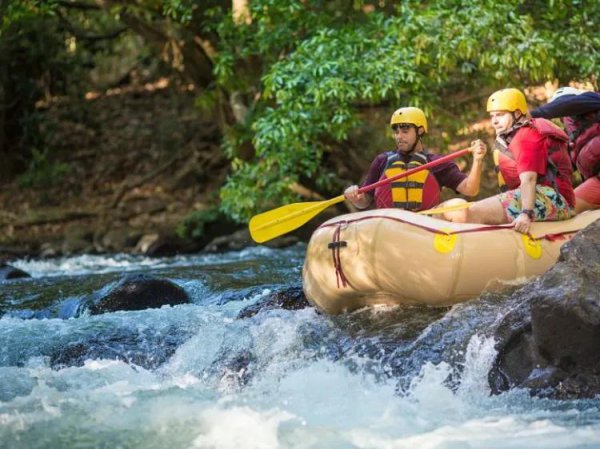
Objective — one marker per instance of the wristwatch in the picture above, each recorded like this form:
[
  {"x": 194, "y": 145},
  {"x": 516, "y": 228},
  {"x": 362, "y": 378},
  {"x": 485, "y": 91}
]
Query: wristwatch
[{"x": 528, "y": 212}]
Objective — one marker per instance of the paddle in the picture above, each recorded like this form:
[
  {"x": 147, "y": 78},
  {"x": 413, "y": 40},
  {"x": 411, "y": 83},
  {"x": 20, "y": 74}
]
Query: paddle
[
  {"x": 443, "y": 210},
  {"x": 268, "y": 225}
]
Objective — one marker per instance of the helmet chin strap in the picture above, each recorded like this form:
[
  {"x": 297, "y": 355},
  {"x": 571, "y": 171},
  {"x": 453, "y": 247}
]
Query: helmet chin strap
[
  {"x": 515, "y": 118},
  {"x": 416, "y": 141}
]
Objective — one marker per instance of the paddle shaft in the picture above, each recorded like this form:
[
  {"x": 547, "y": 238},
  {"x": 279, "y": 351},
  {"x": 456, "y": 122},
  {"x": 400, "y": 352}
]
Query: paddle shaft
[
  {"x": 338, "y": 199},
  {"x": 282, "y": 220},
  {"x": 443, "y": 210}
]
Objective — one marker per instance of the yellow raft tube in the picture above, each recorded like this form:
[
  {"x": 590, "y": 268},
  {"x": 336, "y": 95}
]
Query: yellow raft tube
[{"x": 393, "y": 257}]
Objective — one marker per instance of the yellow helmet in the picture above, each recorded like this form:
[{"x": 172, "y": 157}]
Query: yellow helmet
[
  {"x": 507, "y": 100},
  {"x": 413, "y": 116}
]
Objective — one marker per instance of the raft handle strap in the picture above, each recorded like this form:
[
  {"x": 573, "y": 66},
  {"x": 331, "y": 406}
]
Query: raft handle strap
[{"x": 335, "y": 246}]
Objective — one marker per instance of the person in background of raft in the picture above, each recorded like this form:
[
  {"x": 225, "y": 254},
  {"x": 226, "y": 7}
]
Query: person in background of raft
[
  {"x": 533, "y": 166},
  {"x": 421, "y": 190},
  {"x": 580, "y": 114}
]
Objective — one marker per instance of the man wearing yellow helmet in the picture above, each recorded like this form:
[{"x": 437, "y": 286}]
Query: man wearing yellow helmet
[
  {"x": 533, "y": 166},
  {"x": 421, "y": 190}
]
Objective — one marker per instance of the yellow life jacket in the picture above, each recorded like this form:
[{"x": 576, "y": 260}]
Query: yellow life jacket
[
  {"x": 407, "y": 193},
  {"x": 501, "y": 182}
]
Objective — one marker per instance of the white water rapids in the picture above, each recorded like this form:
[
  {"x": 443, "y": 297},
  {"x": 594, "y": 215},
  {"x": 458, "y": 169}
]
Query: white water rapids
[{"x": 290, "y": 393}]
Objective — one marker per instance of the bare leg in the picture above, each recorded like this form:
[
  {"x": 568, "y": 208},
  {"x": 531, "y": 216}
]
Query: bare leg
[
  {"x": 587, "y": 195},
  {"x": 582, "y": 205},
  {"x": 457, "y": 216},
  {"x": 488, "y": 211}
]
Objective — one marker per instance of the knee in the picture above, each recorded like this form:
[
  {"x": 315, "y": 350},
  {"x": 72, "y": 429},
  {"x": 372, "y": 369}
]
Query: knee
[
  {"x": 582, "y": 206},
  {"x": 456, "y": 216}
]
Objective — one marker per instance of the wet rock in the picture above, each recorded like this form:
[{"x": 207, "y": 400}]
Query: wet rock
[
  {"x": 147, "y": 351},
  {"x": 234, "y": 242},
  {"x": 289, "y": 299},
  {"x": 10, "y": 272},
  {"x": 550, "y": 343},
  {"x": 162, "y": 244},
  {"x": 235, "y": 369},
  {"x": 138, "y": 292}
]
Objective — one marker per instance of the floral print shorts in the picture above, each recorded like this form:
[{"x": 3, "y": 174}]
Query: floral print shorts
[{"x": 549, "y": 204}]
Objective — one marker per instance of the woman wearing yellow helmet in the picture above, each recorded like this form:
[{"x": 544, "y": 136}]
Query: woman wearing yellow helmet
[
  {"x": 533, "y": 166},
  {"x": 422, "y": 189}
]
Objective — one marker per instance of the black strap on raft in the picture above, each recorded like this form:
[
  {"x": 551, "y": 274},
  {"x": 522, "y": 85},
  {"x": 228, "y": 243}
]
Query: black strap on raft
[{"x": 335, "y": 246}]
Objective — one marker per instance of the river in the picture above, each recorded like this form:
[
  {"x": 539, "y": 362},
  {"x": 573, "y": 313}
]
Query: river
[{"x": 197, "y": 376}]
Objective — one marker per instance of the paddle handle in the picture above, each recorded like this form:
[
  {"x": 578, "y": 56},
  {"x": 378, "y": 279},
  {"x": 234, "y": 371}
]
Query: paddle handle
[{"x": 426, "y": 166}]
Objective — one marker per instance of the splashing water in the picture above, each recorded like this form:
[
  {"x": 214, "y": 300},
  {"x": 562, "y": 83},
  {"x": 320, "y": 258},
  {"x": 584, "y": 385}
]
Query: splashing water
[{"x": 196, "y": 376}]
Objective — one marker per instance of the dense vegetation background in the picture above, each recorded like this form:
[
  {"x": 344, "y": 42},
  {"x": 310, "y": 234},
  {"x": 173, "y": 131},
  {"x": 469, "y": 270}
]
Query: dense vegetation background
[{"x": 294, "y": 94}]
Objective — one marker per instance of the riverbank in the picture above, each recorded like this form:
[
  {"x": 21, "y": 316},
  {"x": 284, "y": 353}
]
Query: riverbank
[
  {"x": 119, "y": 171},
  {"x": 133, "y": 170}
]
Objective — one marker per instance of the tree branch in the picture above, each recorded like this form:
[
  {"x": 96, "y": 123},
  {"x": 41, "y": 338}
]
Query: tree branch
[{"x": 78, "y": 5}]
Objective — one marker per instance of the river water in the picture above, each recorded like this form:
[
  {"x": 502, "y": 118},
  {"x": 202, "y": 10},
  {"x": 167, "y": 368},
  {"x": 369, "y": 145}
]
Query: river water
[{"x": 197, "y": 376}]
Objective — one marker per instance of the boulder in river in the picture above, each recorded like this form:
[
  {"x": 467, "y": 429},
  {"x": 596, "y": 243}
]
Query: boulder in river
[
  {"x": 550, "y": 343},
  {"x": 9, "y": 272},
  {"x": 138, "y": 292},
  {"x": 291, "y": 298}
]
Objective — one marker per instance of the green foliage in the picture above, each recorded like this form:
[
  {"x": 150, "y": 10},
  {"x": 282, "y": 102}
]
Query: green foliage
[
  {"x": 42, "y": 172},
  {"x": 427, "y": 54},
  {"x": 20, "y": 11},
  {"x": 306, "y": 68},
  {"x": 179, "y": 10}
]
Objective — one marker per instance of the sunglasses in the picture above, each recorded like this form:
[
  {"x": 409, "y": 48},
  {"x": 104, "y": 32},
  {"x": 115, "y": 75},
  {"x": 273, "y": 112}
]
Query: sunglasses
[{"x": 402, "y": 126}]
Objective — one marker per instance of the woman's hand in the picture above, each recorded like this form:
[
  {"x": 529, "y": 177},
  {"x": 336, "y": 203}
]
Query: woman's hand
[{"x": 522, "y": 223}]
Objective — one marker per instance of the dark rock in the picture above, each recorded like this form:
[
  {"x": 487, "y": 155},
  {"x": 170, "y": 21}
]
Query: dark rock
[
  {"x": 138, "y": 292},
  {"x": 10, "y": 272},
  {"x": 289, "y": 299},
  {"x": 234, "y": 242},
  {"x": 235, "y": 369},
  {"x": 119, "y": 240},
  {"x": 162, "y": 244},
  {"x": 550, "y": 343},
  {"x": 141, "y": 349}
]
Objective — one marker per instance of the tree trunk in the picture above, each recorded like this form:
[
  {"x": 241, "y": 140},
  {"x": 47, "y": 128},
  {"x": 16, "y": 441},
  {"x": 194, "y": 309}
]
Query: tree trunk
[
  {"x": 241, "y": 12},
  {"x": 188, "y": 57}
]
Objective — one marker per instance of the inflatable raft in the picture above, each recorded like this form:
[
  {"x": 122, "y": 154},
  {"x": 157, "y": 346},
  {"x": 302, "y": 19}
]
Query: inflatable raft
[{"x": 393, "y": 257}]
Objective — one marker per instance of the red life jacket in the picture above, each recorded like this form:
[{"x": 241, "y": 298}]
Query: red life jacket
[
  {"x": 418, "y": 191},
  {"x": 558, "y": 168},
  {"x": 585, "y": 144}
]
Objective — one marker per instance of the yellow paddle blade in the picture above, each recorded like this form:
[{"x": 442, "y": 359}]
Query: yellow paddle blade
[
  {"x": 284, "y": 219},
  {"x": 442, "y": 210}
]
